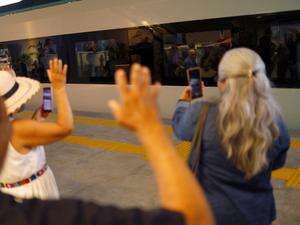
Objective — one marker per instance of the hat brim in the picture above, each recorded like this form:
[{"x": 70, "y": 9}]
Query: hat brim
[{"x": 27, "y": 89}]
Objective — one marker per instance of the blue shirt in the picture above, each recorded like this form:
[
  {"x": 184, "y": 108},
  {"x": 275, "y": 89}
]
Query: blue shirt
[
  {"x": 234, "y": 200},
  {"x": 190, "y": 62}
]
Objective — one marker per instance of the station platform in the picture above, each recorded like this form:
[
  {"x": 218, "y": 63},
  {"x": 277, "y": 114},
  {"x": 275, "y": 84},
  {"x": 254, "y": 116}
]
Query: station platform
[{"x": 104, "y": 163}]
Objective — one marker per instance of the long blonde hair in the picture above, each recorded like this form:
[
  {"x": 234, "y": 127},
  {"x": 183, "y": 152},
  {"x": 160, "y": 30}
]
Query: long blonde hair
[{"x": 247, "y": 110}]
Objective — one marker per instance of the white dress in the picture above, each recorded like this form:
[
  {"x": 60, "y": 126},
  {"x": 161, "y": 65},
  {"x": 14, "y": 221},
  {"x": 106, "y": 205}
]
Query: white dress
[{"x": 18, "y": 167}]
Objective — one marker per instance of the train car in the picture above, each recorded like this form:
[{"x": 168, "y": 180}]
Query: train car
[{"x": 97, "y": 38}]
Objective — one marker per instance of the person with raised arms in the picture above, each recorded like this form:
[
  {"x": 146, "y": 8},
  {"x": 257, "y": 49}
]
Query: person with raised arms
[{"x": 182, "y": 199}]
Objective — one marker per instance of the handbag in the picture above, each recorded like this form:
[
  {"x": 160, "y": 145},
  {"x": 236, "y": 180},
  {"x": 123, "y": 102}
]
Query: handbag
[{"x": 196, "y": 147}]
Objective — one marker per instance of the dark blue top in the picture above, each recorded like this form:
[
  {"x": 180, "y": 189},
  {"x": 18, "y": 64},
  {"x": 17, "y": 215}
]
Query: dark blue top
[
  {"x": 234, "y": 200},
  {"x": 189, "y": 63},
  {"x": 76, "y": 212}
]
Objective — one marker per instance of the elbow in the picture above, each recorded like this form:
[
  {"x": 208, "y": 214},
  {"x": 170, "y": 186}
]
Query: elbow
[
  {"x": 180, "y": 133},
  {"x": 69, "y": 129},
  {"x": 66, "y": 130},
  {"x": 181, "y": 130},
  {"x": 176, "y": 131}
]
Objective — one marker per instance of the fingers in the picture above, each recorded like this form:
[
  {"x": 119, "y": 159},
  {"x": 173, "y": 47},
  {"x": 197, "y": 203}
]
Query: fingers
[
  {"x": 188, "y": 89},
  {"x": 65, "y": 70},
  {"x": 51, "y": 65},
  {"x": 54, "y": 64},
  {"x": 122, "y": 83},
  {"x": 59, "y": 67},
  {"x": 49, "y": 74},
  {"x": 115, "y": 108},
  {"x": 155, "y": 90},
  {"x": 135, "y": 77},
  {"x": 186, "y": 94},
  {"x": 146, "y": 77}
]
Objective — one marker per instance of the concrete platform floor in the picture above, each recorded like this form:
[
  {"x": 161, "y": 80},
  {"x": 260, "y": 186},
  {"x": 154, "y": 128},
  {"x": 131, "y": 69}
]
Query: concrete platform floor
[{"x": 104, "y": 163}]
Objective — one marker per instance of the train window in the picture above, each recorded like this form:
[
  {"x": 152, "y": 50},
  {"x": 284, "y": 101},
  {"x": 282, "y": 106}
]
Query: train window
[
  {"x": 30, "y": 57},
  {"x": 97, "y": 60},
  {"x": 282, "y": 53},
  {"x": 203, "y": 49},
  {"x": 167, "y": 49}
]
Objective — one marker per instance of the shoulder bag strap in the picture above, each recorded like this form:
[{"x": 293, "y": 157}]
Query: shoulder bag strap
[{"x": 196, "y": 147}]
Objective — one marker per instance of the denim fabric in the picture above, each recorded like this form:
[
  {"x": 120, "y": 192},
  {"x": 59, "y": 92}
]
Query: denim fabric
[{"x": 234, "y": 200}]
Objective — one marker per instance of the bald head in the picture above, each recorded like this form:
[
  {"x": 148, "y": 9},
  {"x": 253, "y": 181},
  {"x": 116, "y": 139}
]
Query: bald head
[{"x": 5, "y": 132}]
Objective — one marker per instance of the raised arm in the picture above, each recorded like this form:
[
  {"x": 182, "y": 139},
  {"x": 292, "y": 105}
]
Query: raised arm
[
  {"x": 31, "y": 133},
  {"x": 138, "y": 111},
  {"x": 186, "y": 116}
]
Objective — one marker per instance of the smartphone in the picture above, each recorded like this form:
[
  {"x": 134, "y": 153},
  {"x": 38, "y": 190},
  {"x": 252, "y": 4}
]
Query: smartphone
[
  {"x": 195, "y": 82},
  {"x": 47, "y": 100}
]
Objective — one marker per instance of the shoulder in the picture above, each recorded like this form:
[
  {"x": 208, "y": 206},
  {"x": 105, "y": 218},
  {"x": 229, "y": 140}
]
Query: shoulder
[
  {"x": 20, "y": 123},
  {"x": 19, "y": 131},
  {"x": 20, "y": 126},
  {"x": 210, "y": 104},
  {"x": 32, "y": 210}
]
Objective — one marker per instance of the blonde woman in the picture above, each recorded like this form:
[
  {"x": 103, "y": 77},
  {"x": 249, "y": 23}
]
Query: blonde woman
[
  {"x": 25, "y": 173},
  {"x": 243, "y": 140}
]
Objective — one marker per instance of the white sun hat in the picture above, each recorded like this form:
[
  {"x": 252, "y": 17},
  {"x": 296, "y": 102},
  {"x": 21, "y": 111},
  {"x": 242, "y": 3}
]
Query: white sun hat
[{"x": 16, "y": 91}]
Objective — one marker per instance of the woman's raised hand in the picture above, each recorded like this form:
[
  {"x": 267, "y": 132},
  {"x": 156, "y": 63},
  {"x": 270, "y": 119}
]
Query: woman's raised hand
[
  {"x": 57, "y": 73},
  {"x": 137, "y": 109}
]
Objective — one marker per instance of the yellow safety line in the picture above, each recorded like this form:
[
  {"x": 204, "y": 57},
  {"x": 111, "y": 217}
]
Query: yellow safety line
[
  {"x": 105, "y": 144},
  {"x": 295, "y": 143},
  {"x": 291, "y": 176},
  {"x": 84, "y": 120},
  {"x": 78, "y": 119},
  {"x": 116, "y": 146},
  {"x": 184, "y": 149},
  {"x": 294, "y": 180},
  {"x": 283, "y": 174}
]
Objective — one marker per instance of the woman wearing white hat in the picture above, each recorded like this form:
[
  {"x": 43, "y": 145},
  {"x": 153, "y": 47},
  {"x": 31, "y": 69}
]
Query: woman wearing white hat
[{"x": 25, "y": 173}]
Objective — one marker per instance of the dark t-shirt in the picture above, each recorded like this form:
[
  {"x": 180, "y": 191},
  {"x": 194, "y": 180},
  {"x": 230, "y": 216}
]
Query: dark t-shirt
[{"x": 75, "y": 212}]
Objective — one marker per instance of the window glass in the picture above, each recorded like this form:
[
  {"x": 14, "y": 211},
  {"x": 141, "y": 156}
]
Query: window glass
[
  {"x": 282, "y": 54},
  {"x": 167, "y": 49},
  {"x": 197, "y": 49}
]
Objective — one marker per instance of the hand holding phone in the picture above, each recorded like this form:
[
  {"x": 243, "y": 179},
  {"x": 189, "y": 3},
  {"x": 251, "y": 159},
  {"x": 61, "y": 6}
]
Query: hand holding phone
[
  {"x": 39, "y": 115},
  {"x": 186, "y": 95},
  {"x": 195, "y": 82}
]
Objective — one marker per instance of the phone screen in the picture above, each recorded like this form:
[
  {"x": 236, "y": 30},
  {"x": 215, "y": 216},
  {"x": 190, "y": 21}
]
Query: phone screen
[
  {"x": 195, "y": 83},
  {"x": 47, "y": 100}
]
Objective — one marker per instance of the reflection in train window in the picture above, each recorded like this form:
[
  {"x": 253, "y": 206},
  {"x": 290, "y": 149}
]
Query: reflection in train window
[
  {"x": 30, "y": 57},
  {"x": 282, "y": 53},
  {"x": 167, "y": 49},
  {"x": 95, "y": 59},
  {"x": 203, "y": 49}
]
